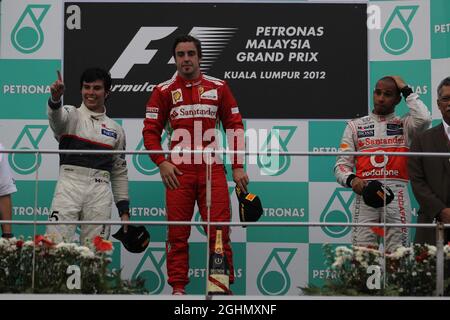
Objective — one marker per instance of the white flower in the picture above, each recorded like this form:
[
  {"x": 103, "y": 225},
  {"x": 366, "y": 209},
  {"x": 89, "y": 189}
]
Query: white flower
[
  {"x": 87, "y": 254},
  {"x": 338, "y": 262},
  {"x": 431, "y": 250},
  {"x": 83, "y": 249},
  {"x": 343, "y": 251},
  {"x": 12, "y": 240},
  {"x": 368, "y": 250},
  {"x": 400, "y": 252},
  {"x": 28, "y": 243},
  {"x": 4, "y": 243},
  {"x": 66, "y": 245},
  {"x": 447, "y": 248}
]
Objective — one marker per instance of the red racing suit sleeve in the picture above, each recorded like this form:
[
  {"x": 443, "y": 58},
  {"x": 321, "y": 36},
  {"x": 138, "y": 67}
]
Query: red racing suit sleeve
[
  {"x": 156, "y": 116},
  {"x": 233, "y": 126}
]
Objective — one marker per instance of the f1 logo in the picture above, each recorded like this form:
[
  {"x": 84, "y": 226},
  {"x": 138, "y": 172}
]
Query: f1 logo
[
  {"x": 136, "y": 52},
  {"x": 213, "y": 39}
]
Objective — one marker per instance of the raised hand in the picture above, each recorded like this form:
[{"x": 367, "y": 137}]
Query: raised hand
[{"x": 57, "y": 88}]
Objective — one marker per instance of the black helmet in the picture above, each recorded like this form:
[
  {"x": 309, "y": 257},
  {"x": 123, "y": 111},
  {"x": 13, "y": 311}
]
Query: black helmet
[
  {"x": 135, "y": 240},
  {"x": 374, "y": 193},
  {"x": 250, "y": 207}
]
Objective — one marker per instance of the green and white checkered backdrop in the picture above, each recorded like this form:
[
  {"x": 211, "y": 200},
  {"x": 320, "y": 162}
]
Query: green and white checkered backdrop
[{"x": 412, "y": 40}]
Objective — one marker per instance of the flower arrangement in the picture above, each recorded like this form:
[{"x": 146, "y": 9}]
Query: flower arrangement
[
  {"x": 52, "y": 264},
  {"x": 410, "y": 271}
]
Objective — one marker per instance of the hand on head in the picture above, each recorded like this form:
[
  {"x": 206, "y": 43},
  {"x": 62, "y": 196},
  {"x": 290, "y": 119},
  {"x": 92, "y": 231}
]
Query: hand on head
[{"x": 399, "y": 82}]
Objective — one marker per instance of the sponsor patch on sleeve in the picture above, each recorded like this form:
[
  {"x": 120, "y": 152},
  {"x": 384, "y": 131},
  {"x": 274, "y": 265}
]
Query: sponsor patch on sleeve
[
  {"x": 152, "y": 109},
  {"x": 151, "y": 115},
  {"x": 234, "y": 110}
]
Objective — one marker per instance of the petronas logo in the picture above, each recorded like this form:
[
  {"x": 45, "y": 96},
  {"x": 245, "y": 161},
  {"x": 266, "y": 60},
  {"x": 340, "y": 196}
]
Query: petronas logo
[
  {"x": 396, "y": 37},
  {"x": 29, "y": 138},
  {"x": 270, "y": 163},
  {"x": 274, "y": 279},
  {"x": 338, "y": 210},
  {"x": 150, "y": 268},
  {"x": 27, "y": 35},
  {"x": 142, "y": 162}
]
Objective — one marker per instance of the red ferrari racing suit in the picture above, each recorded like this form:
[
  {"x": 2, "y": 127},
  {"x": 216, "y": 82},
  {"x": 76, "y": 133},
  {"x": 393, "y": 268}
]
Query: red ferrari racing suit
[
  {"x": 374, "y": 133},
  {"x": 190, "y": 111}
]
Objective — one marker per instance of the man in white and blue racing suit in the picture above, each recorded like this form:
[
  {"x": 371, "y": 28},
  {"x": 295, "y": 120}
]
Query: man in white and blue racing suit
[{"x": 87, "y": 182}]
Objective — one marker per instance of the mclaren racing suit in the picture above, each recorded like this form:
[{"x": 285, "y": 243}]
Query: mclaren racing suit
[
  {"x": 189, "y": 110},
  {"x": 374, "y": 133},
  {"x": 83, "y": 191}
]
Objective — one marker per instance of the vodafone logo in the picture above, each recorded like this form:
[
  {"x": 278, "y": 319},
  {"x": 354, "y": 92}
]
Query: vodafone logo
[{"x": 379, "y": 161}]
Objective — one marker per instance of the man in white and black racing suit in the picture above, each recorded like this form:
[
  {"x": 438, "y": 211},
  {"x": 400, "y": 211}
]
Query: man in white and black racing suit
[
  {"x": 87, "y": 182},
  {"x": 382, "y": 131}
]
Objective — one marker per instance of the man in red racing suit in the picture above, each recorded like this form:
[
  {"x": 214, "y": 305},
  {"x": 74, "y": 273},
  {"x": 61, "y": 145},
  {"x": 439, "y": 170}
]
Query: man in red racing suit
[
  {"x": 382, "y": 131},
  {"x": 190, "y": 107}
]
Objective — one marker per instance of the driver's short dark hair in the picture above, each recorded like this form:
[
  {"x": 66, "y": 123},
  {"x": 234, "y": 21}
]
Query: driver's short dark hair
[
  {"x": 387, "y": 78},
  {"x": 188, "y": 38},
  {"x": 95, "y": 73}
]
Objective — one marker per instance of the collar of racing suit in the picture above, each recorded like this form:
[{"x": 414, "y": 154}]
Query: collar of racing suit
[
  {"x": 381, "y": 118},
  {"x": 94, "y": 115},
  {"x": 190, "y": 83}
]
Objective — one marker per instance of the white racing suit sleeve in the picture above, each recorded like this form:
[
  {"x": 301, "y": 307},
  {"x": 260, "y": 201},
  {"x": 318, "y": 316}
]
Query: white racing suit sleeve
[
  {"x": 119, "y": 176},
  {"x": 418, "y": 119},
  {"x": 60, "y": 118},
  {"x": 345, "y": 164},
  {"x": 7, "y": 182}
]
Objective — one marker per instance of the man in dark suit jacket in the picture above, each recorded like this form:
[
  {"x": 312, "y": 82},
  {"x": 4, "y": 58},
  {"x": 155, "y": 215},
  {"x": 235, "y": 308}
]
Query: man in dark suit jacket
[{"x": 430, "y": 176}]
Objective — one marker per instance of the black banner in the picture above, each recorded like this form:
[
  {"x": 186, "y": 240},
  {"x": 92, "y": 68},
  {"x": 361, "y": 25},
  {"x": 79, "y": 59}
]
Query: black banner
[{"x": 282, "y": 61}]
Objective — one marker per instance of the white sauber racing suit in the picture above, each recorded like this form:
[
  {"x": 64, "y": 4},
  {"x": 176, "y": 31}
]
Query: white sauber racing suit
[
  {"x": 83, "y": 191},
  {"x": 374, "y": 133},
  {"x": 7, "y": 182}
]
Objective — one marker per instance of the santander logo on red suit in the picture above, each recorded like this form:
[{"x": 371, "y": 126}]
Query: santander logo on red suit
[{"x": 194, "y": 111}]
